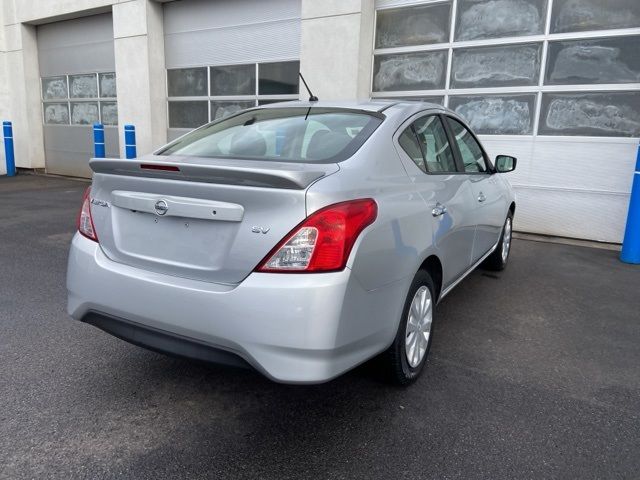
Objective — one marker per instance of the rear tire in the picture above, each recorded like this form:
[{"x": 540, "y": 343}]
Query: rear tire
[
  {"x": 407, "y": 356},
  {"x": 498, "y": 259}
]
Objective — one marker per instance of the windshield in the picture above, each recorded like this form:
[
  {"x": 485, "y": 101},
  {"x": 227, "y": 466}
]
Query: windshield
[{"x": 296, "y": 134}]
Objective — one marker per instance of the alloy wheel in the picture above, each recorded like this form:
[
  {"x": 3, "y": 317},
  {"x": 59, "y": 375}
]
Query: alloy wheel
[{"x": 418, "y": 326}]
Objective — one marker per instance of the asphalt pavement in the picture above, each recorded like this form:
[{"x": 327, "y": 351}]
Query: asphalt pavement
[{"x": 534, "y": 373}]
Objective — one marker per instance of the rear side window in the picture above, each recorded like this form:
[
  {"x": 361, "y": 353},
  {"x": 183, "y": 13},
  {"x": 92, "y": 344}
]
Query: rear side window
[
  {"x": 297, "y": 134},
  {"x": 409, "y": 143},
  {"x": 425, "y": 141}
]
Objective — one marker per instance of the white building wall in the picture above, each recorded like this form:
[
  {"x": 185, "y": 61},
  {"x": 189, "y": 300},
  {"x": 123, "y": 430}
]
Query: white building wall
[
  {"x": 4, "y": 87},
  {"x": 23, "y": 84},
  {"x": 337, "y": 48},
  {"x": 140, "y": 72}
]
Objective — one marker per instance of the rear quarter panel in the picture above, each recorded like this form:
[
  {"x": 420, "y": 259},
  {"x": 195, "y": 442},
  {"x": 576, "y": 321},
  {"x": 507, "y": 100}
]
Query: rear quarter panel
[{"x": 394, "y": 246}]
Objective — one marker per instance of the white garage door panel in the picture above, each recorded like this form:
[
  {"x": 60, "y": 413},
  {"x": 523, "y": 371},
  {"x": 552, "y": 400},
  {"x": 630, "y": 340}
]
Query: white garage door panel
[
  {"x": 262, "y": 42},
  {"x": 202, "y": 32},
  {"x": 80, "y": 45},
  {"x": 74, "y": 47},
  {"x": 571, "y": 188},
  {"x": 189, "y": 15},
  {"x": 571, "y": 214},
  {"x": 519, "y": 147},
  {"x": 602, "y": 166}
]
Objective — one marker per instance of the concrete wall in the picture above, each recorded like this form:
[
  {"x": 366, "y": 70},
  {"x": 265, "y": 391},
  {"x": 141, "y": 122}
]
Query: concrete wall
[
  {"x": 4, "y": 88},
  {"x": 140, "y": 72},
  {"x": 337, "y": 48}
]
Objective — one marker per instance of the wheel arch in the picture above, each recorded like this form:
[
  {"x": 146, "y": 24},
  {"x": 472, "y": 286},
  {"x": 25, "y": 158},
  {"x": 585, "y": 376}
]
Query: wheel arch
[{"x": 433, "y": 265}]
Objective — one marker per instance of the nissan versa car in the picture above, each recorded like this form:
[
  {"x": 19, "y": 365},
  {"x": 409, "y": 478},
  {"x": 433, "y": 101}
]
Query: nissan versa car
[{"x": 300, "y": 238}]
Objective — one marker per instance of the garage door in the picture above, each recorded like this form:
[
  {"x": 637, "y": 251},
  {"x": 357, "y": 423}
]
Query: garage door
[
  {"x": 556, "y": 83},
  {"x": 78, "y": 89},
  {"x": 227, "y": 55}
]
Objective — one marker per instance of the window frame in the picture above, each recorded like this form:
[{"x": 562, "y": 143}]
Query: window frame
[
  {"x": 254, "y": 97},
  {"x": 538, "y": 89},
  {"x": 409, "y": 124},
  {"x": 68, "y": 100}
]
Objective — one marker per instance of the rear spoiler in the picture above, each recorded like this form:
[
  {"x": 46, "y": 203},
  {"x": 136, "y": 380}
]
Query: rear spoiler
[{"x": 295, "y": 176}]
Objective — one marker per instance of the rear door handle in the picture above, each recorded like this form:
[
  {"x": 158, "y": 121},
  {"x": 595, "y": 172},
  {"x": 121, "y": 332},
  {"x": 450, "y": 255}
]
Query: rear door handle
[
  {"x": 438, "y": 210},
  {"x": 481, "y": 197}
]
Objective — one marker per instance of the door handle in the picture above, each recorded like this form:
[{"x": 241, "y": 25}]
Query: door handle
[
  {"x": 481, "y": 197},
  {"x": 438, "y": 210}
]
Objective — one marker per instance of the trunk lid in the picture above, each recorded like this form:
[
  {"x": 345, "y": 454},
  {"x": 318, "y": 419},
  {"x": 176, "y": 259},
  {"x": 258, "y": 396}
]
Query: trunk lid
[{"x": 200, "y": 218}]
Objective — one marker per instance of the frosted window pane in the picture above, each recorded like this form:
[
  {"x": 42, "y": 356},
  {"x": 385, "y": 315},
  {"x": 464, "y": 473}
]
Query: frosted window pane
[
  {"x": 187, "y": 82},
  {"x": 54, "y": 88},
  {"x": 188, "y": 114},
  {"x": 109, "y": 113},
  {"x": 496, "y": 66},
  {"x": 107, "y": 84},
  {"x": 410, "y": 71},
  {"x": 496, "y": 114},
  {"x": 613, "y": 60},
  {"x": 56, "y": 113},
  {"x": 499, "y": 18},
  {"x": 83, "y": 86},
  {"x": 581, "y": 15},
  {"x": 278, "y": 78},
  {"x": 84, "y": 113},
  {"x": 223, "y": 109},
  {"x": 591, "y": 114},
  {"x": 233, "y": 80},
  {"x": 419, "y": 25}
]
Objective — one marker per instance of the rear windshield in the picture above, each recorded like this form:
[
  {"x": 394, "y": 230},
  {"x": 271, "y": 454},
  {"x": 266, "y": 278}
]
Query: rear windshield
[{"x": 297, "y": 134}]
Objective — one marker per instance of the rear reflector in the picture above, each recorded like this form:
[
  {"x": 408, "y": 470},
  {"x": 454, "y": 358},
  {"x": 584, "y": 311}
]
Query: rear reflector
[
  {"x": 167, "y": 168},
  {"x": 323, "y": 242},
  {"x": 85, "y": 220}
]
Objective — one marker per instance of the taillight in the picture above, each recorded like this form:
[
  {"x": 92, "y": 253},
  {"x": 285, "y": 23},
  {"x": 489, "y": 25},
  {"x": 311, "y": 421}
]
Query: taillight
[
  {"x": 323, "y": 241},
  {"x": 85, "y": 220}
]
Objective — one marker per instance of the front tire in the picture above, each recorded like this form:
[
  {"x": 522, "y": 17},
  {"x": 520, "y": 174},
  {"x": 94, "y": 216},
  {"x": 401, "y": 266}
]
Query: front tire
[
  {"x": 407, "y": 355},
  {"x": 498, "y": 259}
]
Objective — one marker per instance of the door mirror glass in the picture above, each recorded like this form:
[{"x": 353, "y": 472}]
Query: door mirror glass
[{"x": 505, "y": 163}]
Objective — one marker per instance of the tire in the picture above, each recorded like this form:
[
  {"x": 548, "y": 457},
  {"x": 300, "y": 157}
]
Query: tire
[
  {"x": 498, "y": 259},
  {"x": 405, "y": 363}
]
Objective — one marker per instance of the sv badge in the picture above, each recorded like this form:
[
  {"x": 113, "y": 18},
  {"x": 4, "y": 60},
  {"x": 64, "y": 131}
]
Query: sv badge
[{"x": 262, "y": 230}]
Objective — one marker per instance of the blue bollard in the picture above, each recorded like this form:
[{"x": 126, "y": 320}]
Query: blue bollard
[
  {"x": 98, "y": 141},
  {"x": 631, "y": 244},
  {"x": 130, "y": 141},
  {"x": 7, "y": 131}
]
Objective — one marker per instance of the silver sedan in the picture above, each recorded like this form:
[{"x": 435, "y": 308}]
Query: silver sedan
[{"x": 300, "y": 238}]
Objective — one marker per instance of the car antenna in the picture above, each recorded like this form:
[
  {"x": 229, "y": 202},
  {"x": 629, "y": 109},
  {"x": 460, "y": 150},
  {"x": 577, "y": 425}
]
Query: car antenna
[{"x": 312, "y": 97}]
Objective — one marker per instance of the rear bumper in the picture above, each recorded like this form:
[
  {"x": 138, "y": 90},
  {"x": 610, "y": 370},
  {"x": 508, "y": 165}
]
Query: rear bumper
[{"x": 293, "y": 328}]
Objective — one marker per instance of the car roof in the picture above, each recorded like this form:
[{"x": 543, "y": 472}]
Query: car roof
[{"x": 373, "y": 105}]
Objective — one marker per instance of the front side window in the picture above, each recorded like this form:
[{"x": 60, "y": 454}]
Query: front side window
[
  {"x": 470, "y": 150},
  {"x": 294, "y": 134}
]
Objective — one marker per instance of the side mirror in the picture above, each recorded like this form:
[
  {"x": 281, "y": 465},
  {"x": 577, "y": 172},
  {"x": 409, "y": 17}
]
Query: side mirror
[{"x": 505, "y": 163}]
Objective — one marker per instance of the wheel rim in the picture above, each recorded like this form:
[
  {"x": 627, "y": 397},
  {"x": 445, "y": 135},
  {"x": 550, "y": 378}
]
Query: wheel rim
[
  {"x": 506, "y": 240},
  {"x": 418, "y": 326}
]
